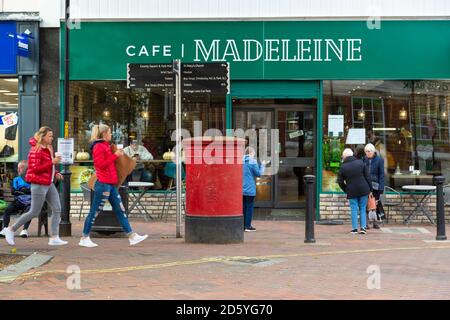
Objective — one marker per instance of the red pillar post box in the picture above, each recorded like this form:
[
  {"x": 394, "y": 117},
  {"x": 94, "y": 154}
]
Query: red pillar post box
[{"x": 214, "y": 190}]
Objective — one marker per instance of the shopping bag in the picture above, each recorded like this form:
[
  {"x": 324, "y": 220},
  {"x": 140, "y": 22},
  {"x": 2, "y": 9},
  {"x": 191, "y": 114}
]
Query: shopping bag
[{"x": 371, "y": 203}]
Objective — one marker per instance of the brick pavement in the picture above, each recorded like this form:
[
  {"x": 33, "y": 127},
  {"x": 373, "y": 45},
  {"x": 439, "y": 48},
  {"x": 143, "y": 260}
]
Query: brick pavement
[{"x": 165, "y": 267}]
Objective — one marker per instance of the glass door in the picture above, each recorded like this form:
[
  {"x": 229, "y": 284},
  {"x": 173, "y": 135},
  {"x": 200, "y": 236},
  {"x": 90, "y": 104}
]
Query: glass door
[
  {"x": 258, "y": 119},
  {"x": 296, "y": 153},
  {"x": 282, "y": 185}
]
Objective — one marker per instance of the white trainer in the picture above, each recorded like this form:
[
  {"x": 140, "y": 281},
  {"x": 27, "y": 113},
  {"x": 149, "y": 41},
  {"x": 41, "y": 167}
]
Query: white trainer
[
  {"x": 24, "y": 234},
  {"x": 56, "y": 242},
  {"x": 87, "y": 242},
  {"x": 9, "y": 236},
  {"x": 135, "y": 239},
  {"x": 2, "y": 233}
]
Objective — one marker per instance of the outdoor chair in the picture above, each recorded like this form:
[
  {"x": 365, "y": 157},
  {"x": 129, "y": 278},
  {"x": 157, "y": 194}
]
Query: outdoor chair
[
  {"x": 171, "y": 191},
  {"x": 389, "y": 202}
]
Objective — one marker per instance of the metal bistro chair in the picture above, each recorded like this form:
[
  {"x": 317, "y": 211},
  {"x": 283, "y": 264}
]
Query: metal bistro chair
[
  {"x": 447, "y": 195},
  {"x": 391, "y": 202},
  {"x": 171, "y": 191},
  {"x": 86, "y": 197}
]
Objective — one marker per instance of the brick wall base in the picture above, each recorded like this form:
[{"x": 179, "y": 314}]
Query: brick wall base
[
  {"x": 336, "y": 206},
  {"x": 153, "y": 202},
  {"x": 332, "y": 206}
]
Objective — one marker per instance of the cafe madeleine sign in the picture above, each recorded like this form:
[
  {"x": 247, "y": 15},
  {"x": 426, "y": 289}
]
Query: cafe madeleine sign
[{"x": 249, "y": 50}]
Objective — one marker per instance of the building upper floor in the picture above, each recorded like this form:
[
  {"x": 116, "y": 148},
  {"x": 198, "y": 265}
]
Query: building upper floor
[{"x": 51, "y": 12}]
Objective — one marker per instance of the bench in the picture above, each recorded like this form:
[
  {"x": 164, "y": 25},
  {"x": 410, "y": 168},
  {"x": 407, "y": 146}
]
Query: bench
[{"x": 42, "y": 220}]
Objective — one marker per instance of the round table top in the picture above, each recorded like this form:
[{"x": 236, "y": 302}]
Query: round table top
[
  {"x": 419, "y": 188},
  {"x": 140, "y": 184}
]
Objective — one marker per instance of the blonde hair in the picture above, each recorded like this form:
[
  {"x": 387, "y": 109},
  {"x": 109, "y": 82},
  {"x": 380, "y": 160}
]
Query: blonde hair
[
  {"x": 370, "y": 147},
  {"x": 98, "y": 130},
  {"x": 40, "y": 134}
]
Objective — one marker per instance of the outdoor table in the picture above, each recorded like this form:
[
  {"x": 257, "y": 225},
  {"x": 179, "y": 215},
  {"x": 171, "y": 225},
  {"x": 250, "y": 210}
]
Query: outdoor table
[
  {"x": 399, "y": 179},
  {"x": 143, "y": 186},
  {"x": 415, "y": 191}
]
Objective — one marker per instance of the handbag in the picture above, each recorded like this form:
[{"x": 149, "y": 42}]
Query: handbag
[
  {"x": 7, "y": 151},
  {"x": 371, "y": 203},
  {"x": 11, "y": 132}
]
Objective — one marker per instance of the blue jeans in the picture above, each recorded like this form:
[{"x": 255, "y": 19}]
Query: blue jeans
[
  {"x": 248, "y": 205},
  {"x": 102, "y": 193},
  {"x": 361, "y": 204}
]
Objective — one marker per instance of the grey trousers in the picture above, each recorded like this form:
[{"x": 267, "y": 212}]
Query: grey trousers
[{"x": 40, "y": 194}]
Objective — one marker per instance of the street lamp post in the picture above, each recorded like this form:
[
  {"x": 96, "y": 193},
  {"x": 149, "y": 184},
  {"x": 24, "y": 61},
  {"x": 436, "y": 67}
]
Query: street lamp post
[{"x": 65, "y": 228}]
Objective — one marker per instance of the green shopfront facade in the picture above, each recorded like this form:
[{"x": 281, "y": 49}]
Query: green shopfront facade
[{"x": 287, "y": 75}]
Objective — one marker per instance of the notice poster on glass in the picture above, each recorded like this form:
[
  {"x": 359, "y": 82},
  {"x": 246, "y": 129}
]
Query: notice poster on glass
[
  {"x": 356, "y": 136},
  {"x": 335, "y": 125},
  {"x": 65, "y": 148}
]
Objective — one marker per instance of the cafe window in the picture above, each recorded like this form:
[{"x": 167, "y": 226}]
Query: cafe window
[
  {"x": 145, "y": 115},
  {"x": 407, "y": 121},
  {"x": 9, "y": 134}
]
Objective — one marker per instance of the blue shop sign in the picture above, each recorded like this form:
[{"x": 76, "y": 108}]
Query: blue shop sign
[
  {"x": 8, "y": 48},
  {"x": 23, "y": 41}
]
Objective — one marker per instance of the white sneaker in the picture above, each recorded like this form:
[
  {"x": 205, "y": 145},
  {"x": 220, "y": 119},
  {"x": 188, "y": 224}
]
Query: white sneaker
[
  {"x": 9, "y": 236},
  {"x": 2, "y": 233},
  {"x": 24, "y": 234},
  {"x": 56, "y": 242},
  {"x": 135, "y": 239},
  {"x": 87, "y": 242}
]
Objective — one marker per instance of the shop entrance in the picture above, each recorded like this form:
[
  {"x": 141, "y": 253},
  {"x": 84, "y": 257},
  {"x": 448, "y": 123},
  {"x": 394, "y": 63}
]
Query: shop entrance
[{"x": 295, "y": 120}]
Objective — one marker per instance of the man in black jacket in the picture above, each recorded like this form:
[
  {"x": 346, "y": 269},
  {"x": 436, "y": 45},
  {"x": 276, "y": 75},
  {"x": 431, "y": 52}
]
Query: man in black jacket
[{"x": 354, "y": 180}]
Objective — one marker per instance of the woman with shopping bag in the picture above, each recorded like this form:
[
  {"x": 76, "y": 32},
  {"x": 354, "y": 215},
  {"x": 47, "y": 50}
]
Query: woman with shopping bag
[
  {"x": 105, "y": 188},
  {"x": 375, "y": 165}
]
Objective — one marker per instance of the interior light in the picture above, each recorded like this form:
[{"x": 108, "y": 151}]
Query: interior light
[
  {"x": 403, "y": 114},
  {"x": 361, "y": 114},
  {"x": 106, "y": 113}
]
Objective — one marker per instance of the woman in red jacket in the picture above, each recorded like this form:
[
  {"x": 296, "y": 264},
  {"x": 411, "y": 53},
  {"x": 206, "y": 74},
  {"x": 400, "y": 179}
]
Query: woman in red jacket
[
  {"x": 41, "y": 173},
  {"x": 105, "y": 188}
]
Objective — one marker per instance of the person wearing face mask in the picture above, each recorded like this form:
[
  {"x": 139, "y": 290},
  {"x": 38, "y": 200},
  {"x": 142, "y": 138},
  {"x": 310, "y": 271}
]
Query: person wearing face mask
[{"x": 41, "y": 175}]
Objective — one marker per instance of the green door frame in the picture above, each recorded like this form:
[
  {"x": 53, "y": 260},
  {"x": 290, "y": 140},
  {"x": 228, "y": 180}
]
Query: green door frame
[{"x": 282, "y": 89}]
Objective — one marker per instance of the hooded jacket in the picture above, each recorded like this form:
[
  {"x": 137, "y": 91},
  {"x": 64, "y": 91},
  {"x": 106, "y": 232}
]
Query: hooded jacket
[
  {"x": 104, "y": 162},
  {"x": 40, "y": 165},
  {"x": 250, "y": 171},
  {"x": 354, "y": 178}
]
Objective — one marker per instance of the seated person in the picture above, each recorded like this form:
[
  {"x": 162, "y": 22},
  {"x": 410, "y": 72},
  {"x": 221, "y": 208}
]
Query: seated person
[
  {"x": 139, "y": 153},
  {"x": 22, "y": 198}
]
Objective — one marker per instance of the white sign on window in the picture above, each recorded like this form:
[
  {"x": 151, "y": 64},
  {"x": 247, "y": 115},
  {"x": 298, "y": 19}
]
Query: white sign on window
[
  {"x": 65, "y": 148},
  {"x": 356, "y": 136},
  {"x": 336, "y": 125},
  {"x": 10, "y": 120},
  {"x": 295, "y": 134}
]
